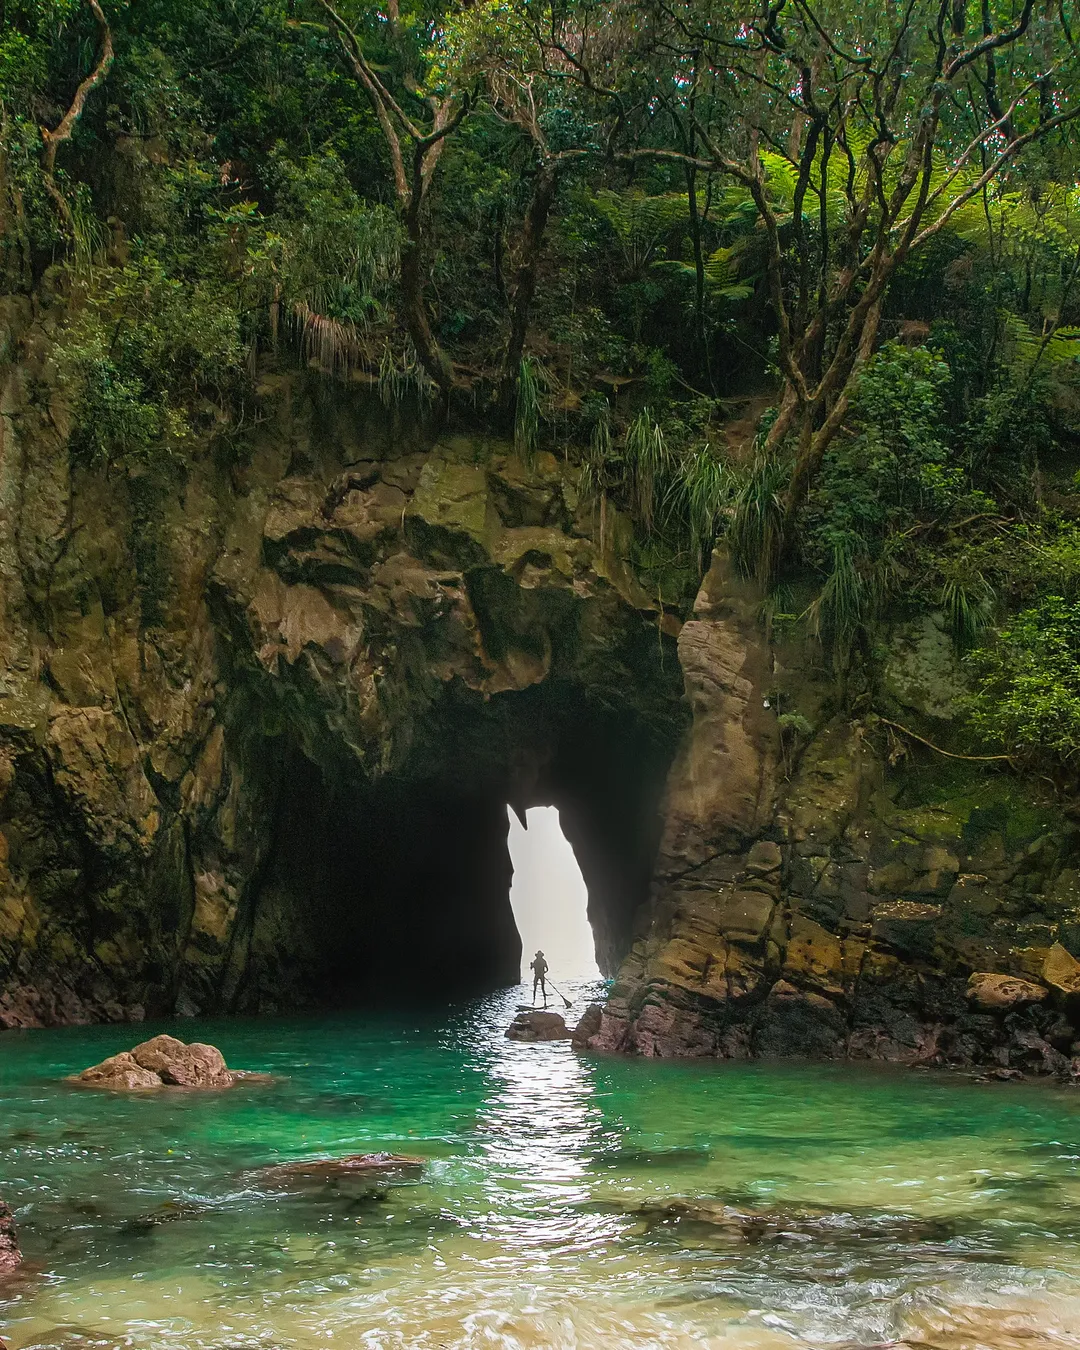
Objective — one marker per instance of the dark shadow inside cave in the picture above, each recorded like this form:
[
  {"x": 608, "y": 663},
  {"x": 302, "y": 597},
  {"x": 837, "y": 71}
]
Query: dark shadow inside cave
[{"x": 399, "y": 890}]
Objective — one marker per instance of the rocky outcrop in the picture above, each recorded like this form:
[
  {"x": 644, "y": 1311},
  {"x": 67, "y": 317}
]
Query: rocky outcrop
[
  {"x": 863, "y": 925},
  {"x": 992, "y": 992},
  {"x": 589, "y": 1024},
  {"x": 260, "y": 720},
  {"x": 10, "y": 1256},
  {"x": 162, "y": 1062},
  {"x": 261, "y": 717},
  {"x": 721, "y": 787},
  {"x": 751, "y": 1226},
  {"x": 533, "y": 1025}
]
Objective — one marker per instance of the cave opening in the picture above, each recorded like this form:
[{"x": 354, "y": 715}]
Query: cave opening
[
  {"x": 397, "y": 888},
  {"x": 549, "y": 897}
]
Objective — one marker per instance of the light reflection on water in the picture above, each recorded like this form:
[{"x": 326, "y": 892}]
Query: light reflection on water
[{"x": 904, "y": 1207}]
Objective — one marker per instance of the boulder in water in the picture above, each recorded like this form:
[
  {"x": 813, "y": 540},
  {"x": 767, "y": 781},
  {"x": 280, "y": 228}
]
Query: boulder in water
[
  {"x": 591, "y": 1021},
  {"x": 535, "y": 1025},
  {"x": 365, "y": 1168},
  {"x": 161, "y": 1062},
  {"x": 170, "y": 1212},
  {"x": 10, "y": 1256}
]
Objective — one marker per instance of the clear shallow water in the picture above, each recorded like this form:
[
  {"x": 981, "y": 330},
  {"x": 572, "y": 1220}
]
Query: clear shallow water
[{"x": 908, "y": 1206}]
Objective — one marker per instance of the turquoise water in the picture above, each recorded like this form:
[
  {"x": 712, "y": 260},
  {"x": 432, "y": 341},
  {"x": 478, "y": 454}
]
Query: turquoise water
[{"x": 901, "y": 1206}]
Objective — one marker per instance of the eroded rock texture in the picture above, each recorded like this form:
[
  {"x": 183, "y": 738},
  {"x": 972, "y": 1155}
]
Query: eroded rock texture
[
  {"x": 857, "y": 925},
  {"x": 534, "y": 1025},
  {"x": 10, "y": 1256},
  {"x": 163, "y": 1061},
  {"x": 260, "y": 719}
]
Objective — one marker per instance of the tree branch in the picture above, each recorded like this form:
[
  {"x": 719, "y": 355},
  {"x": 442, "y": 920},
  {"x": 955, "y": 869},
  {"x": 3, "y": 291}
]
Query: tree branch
[{"x": 54, "y": 139}]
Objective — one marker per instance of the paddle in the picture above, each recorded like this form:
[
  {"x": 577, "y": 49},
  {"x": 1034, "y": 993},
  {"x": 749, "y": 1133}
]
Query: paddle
[{"x": 560, "y": 993}]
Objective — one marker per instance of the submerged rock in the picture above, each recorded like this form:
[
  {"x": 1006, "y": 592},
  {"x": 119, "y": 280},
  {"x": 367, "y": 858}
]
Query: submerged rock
[
  {"x": 169, "y": 1212},
  {"x": 366, "y": 1168},
  {"x": 10, "y": 1256},
  {"x": 538, "y": 1026},
  {"x": 775, "y": 1224},
  {"x": 163, "y": 1061}
]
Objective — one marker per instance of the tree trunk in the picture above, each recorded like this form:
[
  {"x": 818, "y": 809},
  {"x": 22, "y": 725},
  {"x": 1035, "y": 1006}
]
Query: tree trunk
[
  {"x": 699, "y": 275},
  {"x": 529, "y": 249},
  {"x": 432, "y": 357}
]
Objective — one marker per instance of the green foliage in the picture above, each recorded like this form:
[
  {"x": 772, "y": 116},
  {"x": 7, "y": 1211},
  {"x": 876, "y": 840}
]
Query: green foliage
[
  {"x": 28, "y": 30},
  {"x": 895, "y": 463},
  {"x": 527, "y": 412},
  {"x": 891, "y": 472},
  {"x": 848, "y": 602},
  {"x": 701, "y": 489},
  {"x": 646, "y": 455},
  {"x": 1029, "y": 685},
  {"x": 968, "y": 603},
  {"x": 757, "y": 525},
  {"x": 234, "y": 200},
  {"x": 328, "y": 251},
  {"x": 402, "y": 377},
  {"x": 149, "y": 352},
  {"x": 595, "y": 463},
  {"x": 641, "y": 223}
]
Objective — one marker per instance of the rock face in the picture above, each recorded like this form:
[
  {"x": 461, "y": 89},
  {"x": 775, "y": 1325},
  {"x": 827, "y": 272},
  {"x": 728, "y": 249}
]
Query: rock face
[
  {"x": 591, "y": 1021},
  {"x": 830, "y": 905},
  {"x": 161, "y": 1062},
  {"x": 260, "y": 721},
  {"x": 854, "y": 926},
  {"x": 538, "y": 1026},
  {"x": 10, "y": 1256},
  {"x": 991, "y": 992}
]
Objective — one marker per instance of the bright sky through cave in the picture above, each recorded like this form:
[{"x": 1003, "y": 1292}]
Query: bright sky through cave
[{"x": 548, "y": 897}]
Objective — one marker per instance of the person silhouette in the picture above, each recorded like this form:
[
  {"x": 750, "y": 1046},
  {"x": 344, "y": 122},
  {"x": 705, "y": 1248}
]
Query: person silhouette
[{"x": 539, "y": 968}]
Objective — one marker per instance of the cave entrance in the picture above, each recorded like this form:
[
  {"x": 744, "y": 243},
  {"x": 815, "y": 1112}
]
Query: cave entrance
[
  {"x": 397, "y": 888},
  {"x": 549, "y": 897}
]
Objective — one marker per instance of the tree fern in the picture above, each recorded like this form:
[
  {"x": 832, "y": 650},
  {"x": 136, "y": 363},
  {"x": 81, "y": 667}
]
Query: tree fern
[{"x": 640, "y": 222}]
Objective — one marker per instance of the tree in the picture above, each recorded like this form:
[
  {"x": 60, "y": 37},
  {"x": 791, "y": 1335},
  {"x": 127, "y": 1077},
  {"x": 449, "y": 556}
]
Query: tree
[
  {"x": 491, "y": 43},
  {"x": 414, "y": 151},
  {"x": 859, "y": 134},
  {"x": 52, "y": 140}
]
